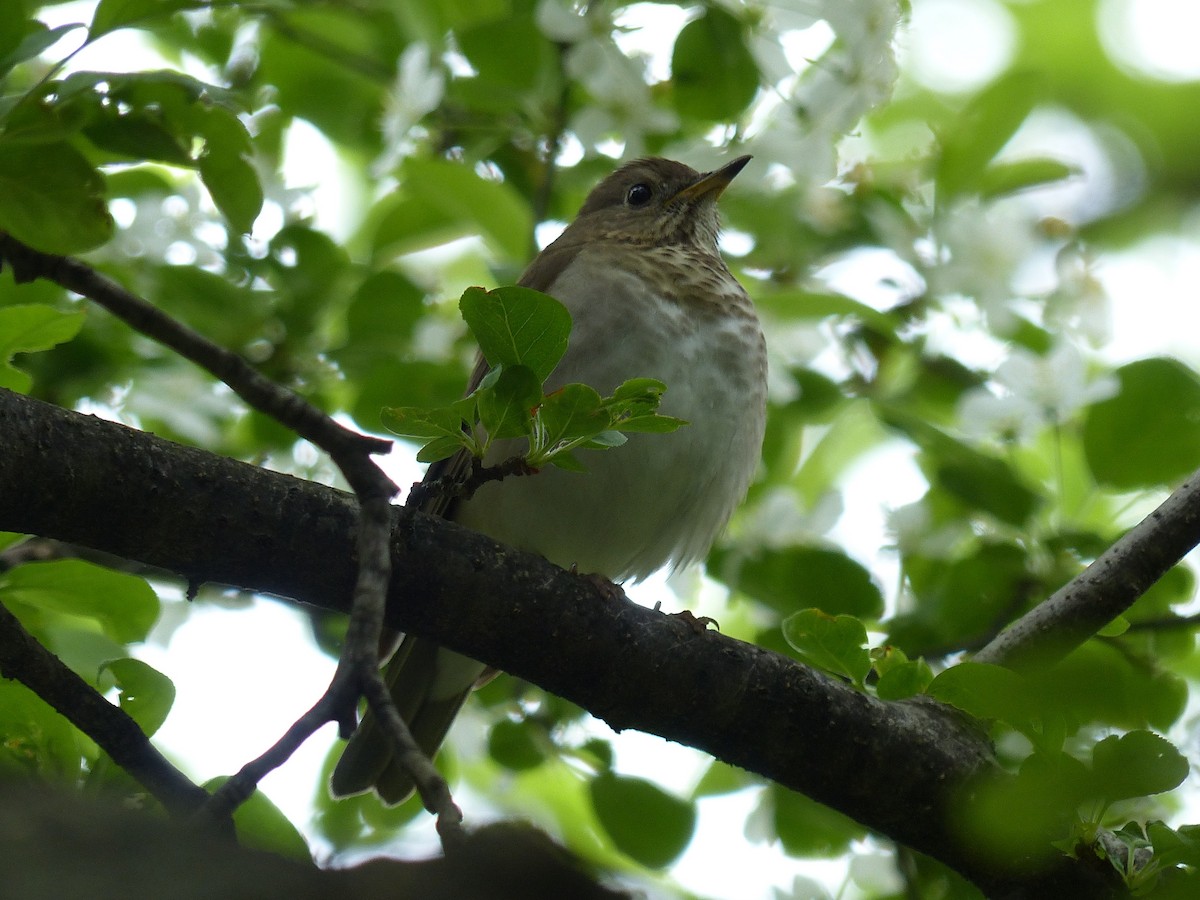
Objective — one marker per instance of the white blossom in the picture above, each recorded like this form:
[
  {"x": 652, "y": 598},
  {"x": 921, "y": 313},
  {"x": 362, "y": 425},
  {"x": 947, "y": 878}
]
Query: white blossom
[
  {"x": 417, "y": 90},
  {"x": 1029, "y": 391},
  {"x": 801, "y": 125}
]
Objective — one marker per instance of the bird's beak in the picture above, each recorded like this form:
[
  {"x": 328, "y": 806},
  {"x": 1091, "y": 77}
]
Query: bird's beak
[{"x": 711, "y": 184}]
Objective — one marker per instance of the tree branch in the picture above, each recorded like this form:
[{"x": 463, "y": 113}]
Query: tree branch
[
  {"x": 896, "y": 767},
  {"x": 1105, "y": 589},
  {"x": 22, "y": 658},
  {"x": 61, "y": 845}
]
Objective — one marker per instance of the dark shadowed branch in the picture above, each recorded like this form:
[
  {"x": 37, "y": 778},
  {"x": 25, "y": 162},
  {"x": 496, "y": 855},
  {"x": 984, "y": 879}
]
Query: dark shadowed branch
[{"x": 896, "y": 767}]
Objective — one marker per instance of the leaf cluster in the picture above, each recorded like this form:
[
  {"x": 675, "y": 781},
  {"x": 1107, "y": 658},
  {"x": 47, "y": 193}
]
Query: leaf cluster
[{"x": 523, "y": 334}]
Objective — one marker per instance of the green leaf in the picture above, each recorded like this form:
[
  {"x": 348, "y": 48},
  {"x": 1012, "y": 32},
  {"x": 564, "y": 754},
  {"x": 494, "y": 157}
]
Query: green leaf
[
  {"x": 439, "y": 448},
  {"x": 261, "y": 826},
  {"x": 713, "y": 73},
  {"x": 506, "y": 408},
  {"x": 344, "y": 101},
  {"x": 571, "y": 412},
  {"x": 441, "y": 428},
  {"x": 145, "y": 693},
  {"x": 472, "y": 204},
  {"x": 28, "y": 328},
  {"x": 516, "y": 326},
  {"x": 124, "y": 605},
  {"x": 1019, "y": 817},
  {"x": 633, "y": 404},
  {"x": 960, "y": 600},
  {"x": 640, "y": 390},
  {"x": 1148, "y": 434},
  {"x": 651, "y": 424},
  {"x": 382, "y": 316},
  {"x": 1001, "y": 179},
  {"x": 516, "y": 64},
  {"x": 985, "y": 691},
  {"x": 978, "y": 480},
  {"x": 1175, "y": 847},
  {"x": 38, "y": 742},
  {"x": 834, "y": 643},
  {"x": 33, "y": 44},
  {"x": 644, "y": 822},
  {"x": 982, "y": 130},
  {"x": 1115, "y": 628},
  {"x": 568, "y": 462},
  {"x": 1175, "y": 587},
  {"x": 173, "y": 93},
  {"x": 598, "y": 753},
  {"x": 808, "y": 828},
  {"x": 51, "y": 198},
  {"x": 721, "y": 778},
  {"x": 1136, "y": 764},
  {"x": 14, "y": 23},
  {"x": 422, "y": 424},
  {"x": 10, "y": 539},
  {"x": 113, "y": 14},
  {"x": 794, "y": 578},
  {"x": 136, "y": 134},
  {"x": 77, "y": 643},
  {"x": 1100, "y": 683},
  {"x": 605, "y": 440},
  {"x": 988, "y": 484},
  {"x": 905, "y": 680},
  {"x": 853, "y": 432},
  {"x": 516, "y": 745},
  {"x": 232, "y": 314},
  {"x": 227, "y": 171}
]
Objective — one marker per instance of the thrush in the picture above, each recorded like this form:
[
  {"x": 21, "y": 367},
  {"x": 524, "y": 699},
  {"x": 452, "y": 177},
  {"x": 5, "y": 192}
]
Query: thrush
[{"x": 650, "y": 296}]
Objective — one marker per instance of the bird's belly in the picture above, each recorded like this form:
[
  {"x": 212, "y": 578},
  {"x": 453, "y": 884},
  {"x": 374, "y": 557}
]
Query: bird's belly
[{"x": 659, "y": 498}]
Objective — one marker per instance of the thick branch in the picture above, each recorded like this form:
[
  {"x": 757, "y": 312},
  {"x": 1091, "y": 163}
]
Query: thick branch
[
  {"x": 1106, "y": 588},
  {"x": 59, "y": 845},
  {"x": 896, "y": 767}
]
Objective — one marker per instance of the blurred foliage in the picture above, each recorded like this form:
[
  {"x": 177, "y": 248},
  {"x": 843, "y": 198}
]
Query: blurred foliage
[{"x": 926, "y": 258}]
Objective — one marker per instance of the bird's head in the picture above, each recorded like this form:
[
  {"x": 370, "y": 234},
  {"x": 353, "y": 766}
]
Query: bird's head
[{"x": 657, "y": 201}]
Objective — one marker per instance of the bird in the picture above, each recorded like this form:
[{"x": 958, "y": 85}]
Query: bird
[{"x": 650, "y": 295}]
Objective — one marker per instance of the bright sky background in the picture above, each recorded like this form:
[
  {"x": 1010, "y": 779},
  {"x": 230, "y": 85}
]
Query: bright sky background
[{"x": 243, "y": 676}]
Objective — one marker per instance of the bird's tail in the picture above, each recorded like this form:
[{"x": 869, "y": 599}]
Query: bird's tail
[{"x": 429, "y": 685}]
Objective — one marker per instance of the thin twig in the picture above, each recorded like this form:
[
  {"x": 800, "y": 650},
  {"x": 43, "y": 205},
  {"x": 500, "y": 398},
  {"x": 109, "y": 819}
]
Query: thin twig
[
  {"x": 24, "y": 659},
  {"x": 357, "y": 675},
  {"x": 454, "y": 486},
  {"x": 1166, "y": 623},
  {"x": 345, "y": 446}
]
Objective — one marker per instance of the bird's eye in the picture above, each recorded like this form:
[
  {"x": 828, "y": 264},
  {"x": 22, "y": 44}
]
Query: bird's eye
[{"x": 639, "y": 195}]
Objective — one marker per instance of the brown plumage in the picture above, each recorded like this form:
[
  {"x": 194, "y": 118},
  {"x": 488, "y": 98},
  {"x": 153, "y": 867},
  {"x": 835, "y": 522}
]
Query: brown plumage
[{"x": 649, "y": 296}]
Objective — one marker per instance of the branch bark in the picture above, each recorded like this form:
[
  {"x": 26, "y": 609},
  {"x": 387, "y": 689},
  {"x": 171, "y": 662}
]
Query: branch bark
[
  {"x": 899, "y": 768},
  {"x": 1106, "y": 589}
]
